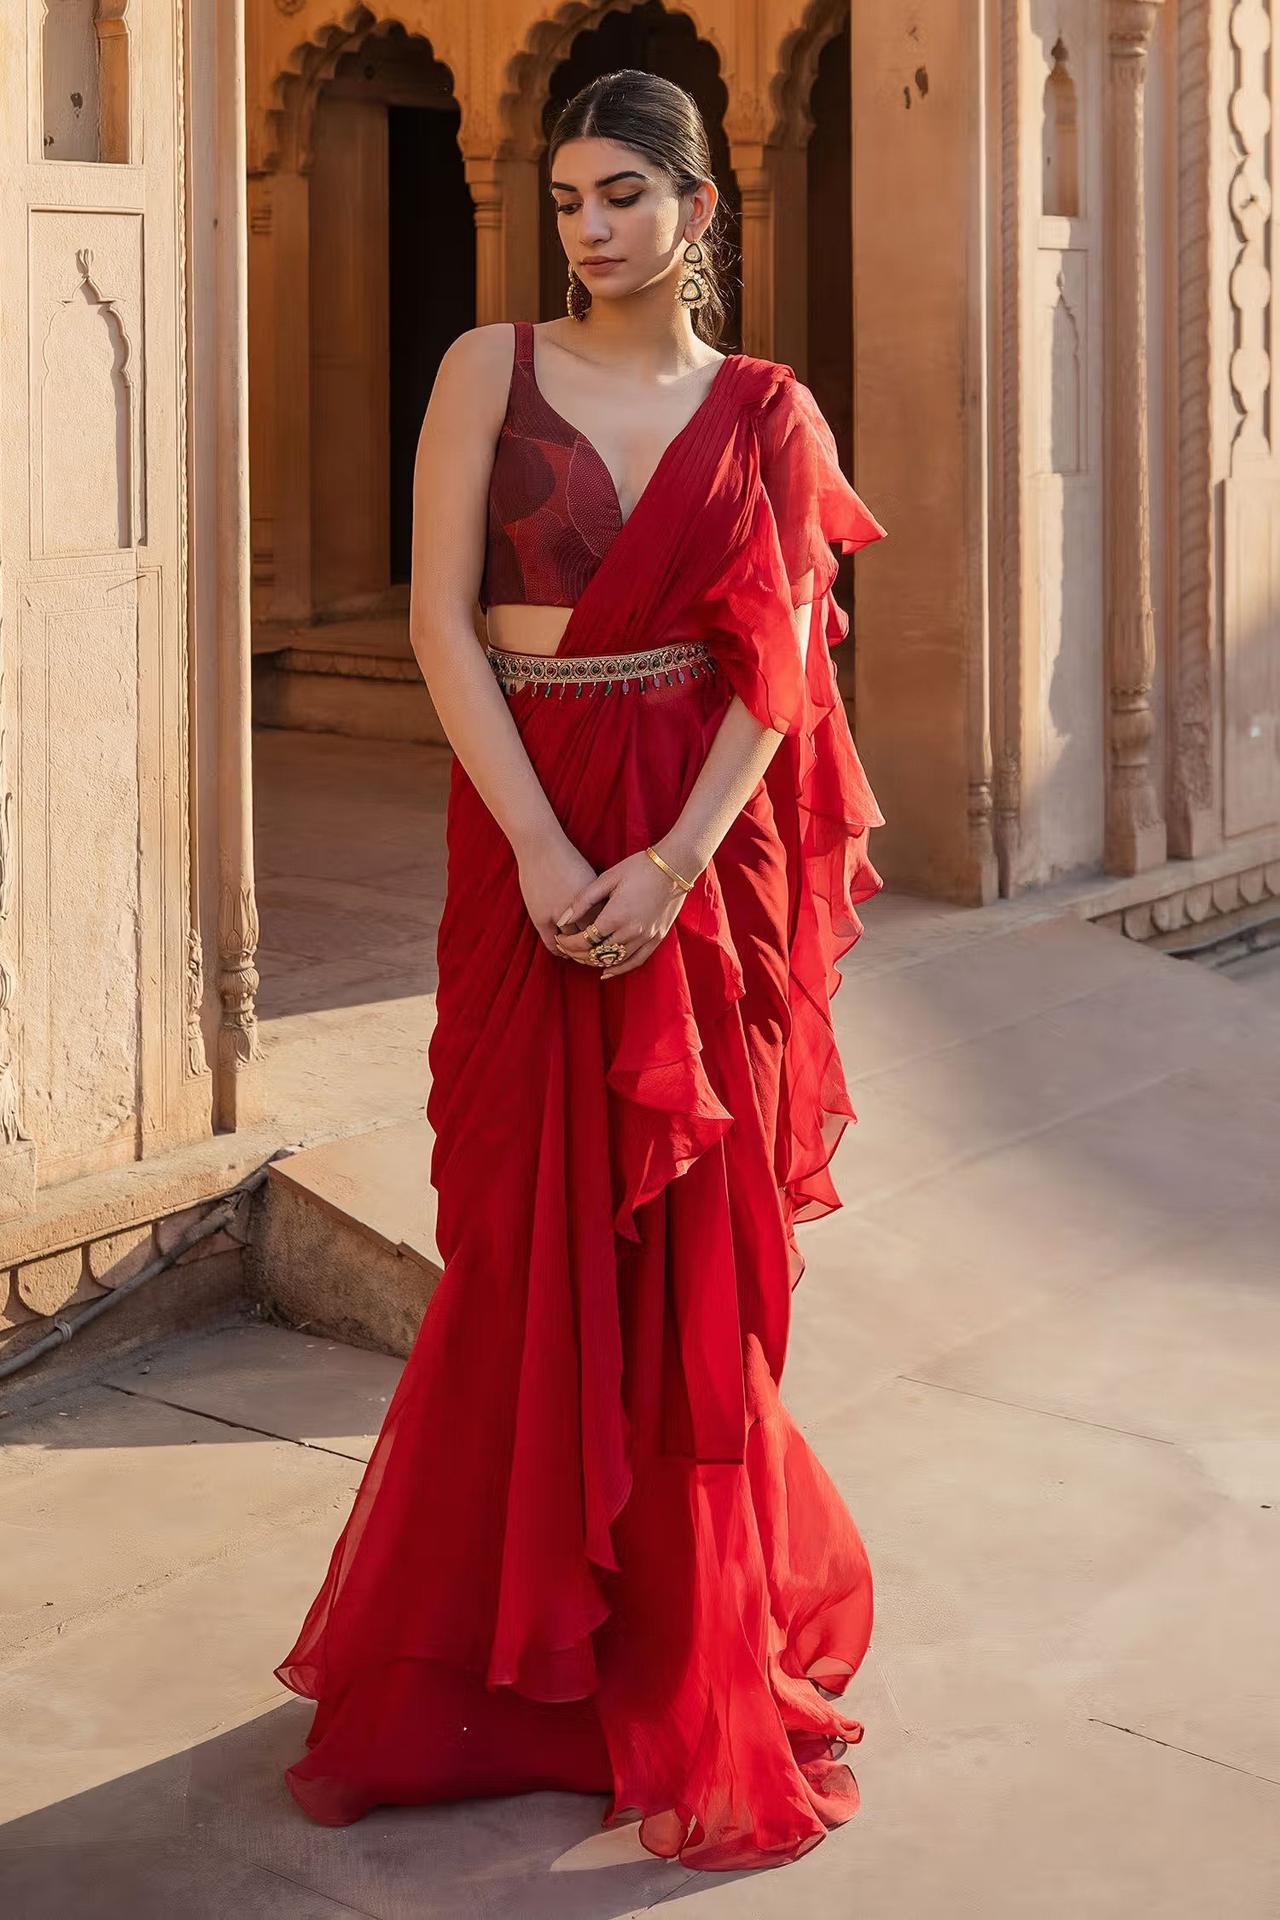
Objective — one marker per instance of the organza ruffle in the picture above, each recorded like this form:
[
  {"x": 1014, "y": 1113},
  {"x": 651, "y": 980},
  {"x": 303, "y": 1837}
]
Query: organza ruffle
[
  {"x": 725, "y": 1687},
  {"x": 800, "y": 514}
]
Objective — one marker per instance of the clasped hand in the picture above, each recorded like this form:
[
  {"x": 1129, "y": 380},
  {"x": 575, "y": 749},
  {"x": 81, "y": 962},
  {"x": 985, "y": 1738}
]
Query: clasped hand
[{"x": 633, "y": 902}]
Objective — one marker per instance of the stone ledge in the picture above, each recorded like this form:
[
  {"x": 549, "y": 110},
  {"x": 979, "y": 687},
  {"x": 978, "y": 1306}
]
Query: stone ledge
[
  {"x": 122, "y": 1199},
  {"x": 189, "y": 1298},
  {"x": 36, "y": 1292},
  {"x": 1232, "y": 899},
  {"x": 361, "y": 706},
  {"x": 353, "y": 666},
  {"x": 1179, "y": 893}
]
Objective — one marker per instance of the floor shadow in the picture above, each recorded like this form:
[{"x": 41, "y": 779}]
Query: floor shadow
[{"x": 213, "y": 1831}]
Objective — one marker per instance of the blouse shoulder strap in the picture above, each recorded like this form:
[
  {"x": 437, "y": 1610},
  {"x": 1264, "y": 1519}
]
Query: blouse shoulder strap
[{"x": 524, "y": 344}]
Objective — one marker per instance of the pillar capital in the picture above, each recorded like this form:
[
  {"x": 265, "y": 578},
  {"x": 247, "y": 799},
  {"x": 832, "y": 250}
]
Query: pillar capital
[{"x": 1130, "y": 25}]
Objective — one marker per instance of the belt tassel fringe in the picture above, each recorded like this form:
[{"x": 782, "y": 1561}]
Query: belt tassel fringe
[{"x": 589, "y": 673}]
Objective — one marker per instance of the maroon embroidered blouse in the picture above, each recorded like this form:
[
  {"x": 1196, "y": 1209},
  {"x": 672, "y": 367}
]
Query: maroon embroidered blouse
[{"x": 553, "y": 508}]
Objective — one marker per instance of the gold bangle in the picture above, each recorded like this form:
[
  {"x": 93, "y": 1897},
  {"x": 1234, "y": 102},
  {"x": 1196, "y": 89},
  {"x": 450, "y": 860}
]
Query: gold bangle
[{"x": 685, "y": 886}]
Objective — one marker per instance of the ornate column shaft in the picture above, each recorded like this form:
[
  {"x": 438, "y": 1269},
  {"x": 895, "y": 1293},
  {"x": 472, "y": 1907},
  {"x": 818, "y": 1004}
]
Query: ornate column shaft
[
  {"x": 235, "y": 1097},
  {"x": 1194, "y": 813},
  {"x": 1135, "y": 830},
  {"x": 775, "y": 269},
  {"x": 504, "y": 192},
  {"x": 1007, "y": 662}
]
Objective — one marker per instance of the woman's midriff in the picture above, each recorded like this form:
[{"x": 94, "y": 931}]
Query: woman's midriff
[{"x": 523, "y": 629}]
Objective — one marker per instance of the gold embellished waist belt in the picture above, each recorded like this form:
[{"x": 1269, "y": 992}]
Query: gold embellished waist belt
[{"x": 589, "y": 672}]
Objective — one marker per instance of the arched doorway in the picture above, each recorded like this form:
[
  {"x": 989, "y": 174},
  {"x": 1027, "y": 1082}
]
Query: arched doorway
[
  {"x": 362, "y": 272},
  {"x": 392, "y": 282}
]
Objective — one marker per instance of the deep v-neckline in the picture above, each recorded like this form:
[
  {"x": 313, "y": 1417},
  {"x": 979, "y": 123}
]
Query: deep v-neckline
[{"x": 595, "y": 452}]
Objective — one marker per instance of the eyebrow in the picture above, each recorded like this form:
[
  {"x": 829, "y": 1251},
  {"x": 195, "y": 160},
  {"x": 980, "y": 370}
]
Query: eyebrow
[{"x": 628, "y": 173}]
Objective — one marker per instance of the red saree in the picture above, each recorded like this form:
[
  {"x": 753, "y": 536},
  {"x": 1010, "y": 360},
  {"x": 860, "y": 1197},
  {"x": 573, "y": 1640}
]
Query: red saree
[{"x": 591, "y": 1550}]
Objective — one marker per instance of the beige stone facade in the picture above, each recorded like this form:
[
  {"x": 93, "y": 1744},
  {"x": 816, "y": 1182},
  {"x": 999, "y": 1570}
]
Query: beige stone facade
[{"x": 1021, "y": 251}]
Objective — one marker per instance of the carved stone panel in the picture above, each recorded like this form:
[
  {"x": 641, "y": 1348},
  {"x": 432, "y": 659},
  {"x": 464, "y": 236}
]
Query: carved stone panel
[
  {"x": 87, "y": 458},
  {"x": 1062, "y": 384}
]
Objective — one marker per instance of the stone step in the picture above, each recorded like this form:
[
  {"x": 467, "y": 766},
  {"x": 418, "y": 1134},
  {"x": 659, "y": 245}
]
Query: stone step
[
  {"x": 344, "y": 1237},
  {"x": 354, "y": 677}
]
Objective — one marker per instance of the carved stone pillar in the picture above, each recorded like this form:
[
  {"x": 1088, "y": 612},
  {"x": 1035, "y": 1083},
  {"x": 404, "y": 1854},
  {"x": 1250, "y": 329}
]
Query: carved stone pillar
[
  {"x": 1008, "y": 677},
  {"x": 505, "y": 195},
  {"x": 773, "y": 183},
  {"x": 236, "y": 1095},
  {"x": 1135, "y": 829},
  {"x": 1193, "y": 807}
]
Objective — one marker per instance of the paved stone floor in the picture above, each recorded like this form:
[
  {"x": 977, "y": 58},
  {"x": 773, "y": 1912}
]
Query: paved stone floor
[
  {"x": 1037, "y": 1348},
  {"x": 1258, "y": 971}
]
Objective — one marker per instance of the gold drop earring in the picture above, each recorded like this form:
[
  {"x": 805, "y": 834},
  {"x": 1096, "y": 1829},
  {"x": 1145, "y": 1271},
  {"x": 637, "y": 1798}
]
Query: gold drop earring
[
  {"x": 576, "y": 309},
  {"x": 693, "y": 290}
]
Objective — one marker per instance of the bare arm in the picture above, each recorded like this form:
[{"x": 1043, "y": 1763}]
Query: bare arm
[
  {"x": 736, "y": 760},
  {"x": 450, "y": 479},
  {"x": 450, "y": 504}
]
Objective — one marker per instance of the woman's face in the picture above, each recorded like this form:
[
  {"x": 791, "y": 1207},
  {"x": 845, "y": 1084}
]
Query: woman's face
[{"x": 615, "y": 207}]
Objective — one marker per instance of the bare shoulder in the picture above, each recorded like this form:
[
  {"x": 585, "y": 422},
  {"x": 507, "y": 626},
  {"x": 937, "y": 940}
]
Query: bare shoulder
[
  {"x": 474, "y": 376},
  {"x": 480, "y": 358},
  {"x": 479, "y": 350}
]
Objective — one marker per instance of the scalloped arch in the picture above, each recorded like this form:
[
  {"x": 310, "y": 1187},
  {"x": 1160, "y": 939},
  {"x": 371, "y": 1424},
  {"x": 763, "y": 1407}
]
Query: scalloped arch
[
  {"x": 511, "y": 127},
  {"x": 795, "y": 67},
  {"x": 282, "y": 136},
  {"x": 527, "y": 78}
]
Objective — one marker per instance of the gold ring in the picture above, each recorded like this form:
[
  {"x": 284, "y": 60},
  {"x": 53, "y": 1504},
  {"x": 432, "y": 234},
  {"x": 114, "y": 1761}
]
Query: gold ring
[
  {"x": 592, "y": 935},
  {"x": 608, "y": 952}
]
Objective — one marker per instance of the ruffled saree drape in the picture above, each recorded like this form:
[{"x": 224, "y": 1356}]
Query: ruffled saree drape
[{"x": 591, "y": 1549}]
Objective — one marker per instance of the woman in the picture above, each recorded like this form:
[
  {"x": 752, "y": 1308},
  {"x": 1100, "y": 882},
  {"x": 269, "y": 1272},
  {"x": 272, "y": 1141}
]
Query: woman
[{"x": 591, "y": 1551}]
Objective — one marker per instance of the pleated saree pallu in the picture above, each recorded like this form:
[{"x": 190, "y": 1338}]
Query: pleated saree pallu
[{"x": 591, "y": 1549}]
